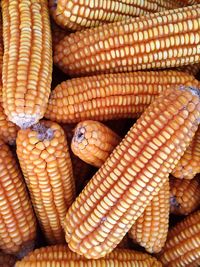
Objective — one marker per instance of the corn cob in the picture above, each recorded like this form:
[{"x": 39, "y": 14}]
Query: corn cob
[
  {"x": 122, "y": 188},
  {"x": 189, "y": 164},
  {"x": 7, "y": 260},
  {"x": 27, "y": 60},
  {"x": 182, "y": 246},
  {"x": 1, "y": 43},
  {"x": 150, "y": 230},
  {"x": 8, "y": 130},
  {"x": 93, "y": 142},
  {"x": 191, "y": 69},
  {"x": 78, "y": 15},
  {"x": 17, "y": 221},
  {"x": 184, "y": 195},
  {"x": 162, "y": 40},
  {"x": 60, "y": 255},
  {"x": 110, "y": 96},
  {"x": 44, "y": 159}
]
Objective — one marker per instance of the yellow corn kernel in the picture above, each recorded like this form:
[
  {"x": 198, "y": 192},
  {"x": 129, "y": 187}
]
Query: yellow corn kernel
[
  {"x": 27, "y": 60},
  {"x": 44, "y": 158},
  {"x": 134, "y": 173}
]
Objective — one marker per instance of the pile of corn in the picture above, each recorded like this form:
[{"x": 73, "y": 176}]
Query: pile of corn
[{"x": 99, "y": 133}]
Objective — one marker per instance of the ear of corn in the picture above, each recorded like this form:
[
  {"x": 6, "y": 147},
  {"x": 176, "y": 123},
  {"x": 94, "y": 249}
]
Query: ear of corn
[
  {"x": 110, "y": 96},
  {"x": 57, "y": 34},
  {"x": 162, "y": 40},
  {"x": 17, "y": 220},
  {"x": 189, "y": 164},
  {"x": 182, "y": 246},
  {"x": 151, "y": 228},
  {"x": 27, "y": 60},
  {"x": 78, "y": 15},
  {"x": 44, "y": 158},
  {"x": 60, "y": 255},
  {"x": 7, "y": 260},
  {"x": 184, "y": 195},
  {"x": 134, "y": 173},
  {"x": 93, "y": 142}
]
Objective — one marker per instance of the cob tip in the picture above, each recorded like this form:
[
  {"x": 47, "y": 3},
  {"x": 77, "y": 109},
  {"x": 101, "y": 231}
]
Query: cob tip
[
  {"x": 24, "y": 121},
  {"x": 43, "y": 132}
]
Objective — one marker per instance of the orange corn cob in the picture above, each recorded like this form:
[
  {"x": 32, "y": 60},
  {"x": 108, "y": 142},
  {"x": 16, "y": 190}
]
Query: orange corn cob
[
  {"x": 17, "y": 221},
  {"x": 78, "y": 15},
  {"x": 1, "y": 43},
  {"x": 182, "y": 246},
  {"x": 184, "y": 195},
  {"x": 110, "y": 96},
  {"x": 162, "y": 40},
  {"x": 8, "y": 130},
  {"x": 60, "y": 255},
  {"x": 191, "y": 69},
  {"x": 27, "y": 61},
  {"x": 134, "y": 173},
  {"x": 46, "y": 164},
  {"x": 93, "y": 142},
  {"x": 189, "y": 164},
  {"x": 151, "y": 228},
  {"x": 7, "y": 260}
]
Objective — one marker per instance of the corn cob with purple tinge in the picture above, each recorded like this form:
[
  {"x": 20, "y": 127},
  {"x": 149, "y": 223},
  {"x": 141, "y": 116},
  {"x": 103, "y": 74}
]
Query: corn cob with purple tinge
[
  {"x": 134, "y": 173},
  {"x": 111, "y": 96},
  {"x": 184, "y": 195},
  {"x": 162, "y": 40},
  {"x": 27, "y": 60},
  {"x": 189, "y": 164},
  {"x": 44, "y": 158},
  {"x": 182, "y": 246},
  {"x": 17, "y": 220},
  {"x": 77, "y": 15},
  {"x": 60, "y": 255}
]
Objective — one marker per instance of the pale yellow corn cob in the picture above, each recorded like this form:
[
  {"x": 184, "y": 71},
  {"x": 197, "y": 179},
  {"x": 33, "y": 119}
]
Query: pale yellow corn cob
[
  {"x": 162, "y": 40},
  {"x": 44, "y": 158},
  {"x": 27, "y": 60},
  {"x": 110, "y": 96},
  {"x": 17, "y": 220},
  {"x": 133, "y": 174},
  {"x": 184, "y": 195},
  {"x": 7, "y": 260},
  {"x": 60, "y": 255},
  {"x": 189, "y": 164},
  {"x": 93, "y": 142},
  {"x": 151, "y": 228},
  {"x": 8, "y": 130},
  {"x": 182, "y": 246},
  {"x": 78, "y": 15}
]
